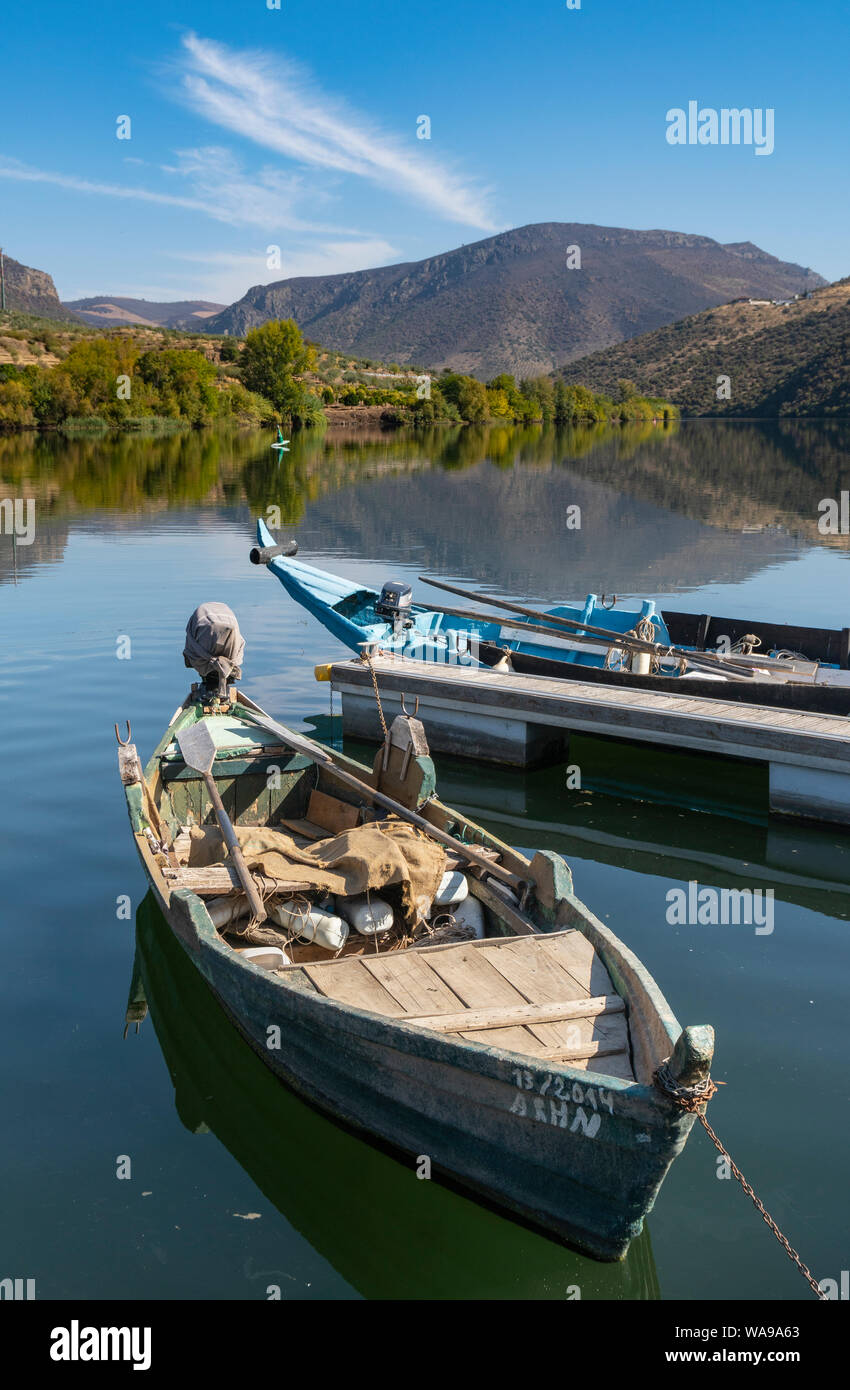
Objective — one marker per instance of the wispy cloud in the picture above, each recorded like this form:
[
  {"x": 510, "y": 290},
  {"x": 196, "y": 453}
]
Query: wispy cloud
[
  {"x": 23, "y": 173},
  {"x": 276, "y": 105},
  {"x": 218, "y": 187}
]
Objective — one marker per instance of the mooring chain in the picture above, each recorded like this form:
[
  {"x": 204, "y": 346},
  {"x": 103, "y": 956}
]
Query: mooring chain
[
  {"x": 364, "y": 656},
  {"x": 692, "y": 1099}
]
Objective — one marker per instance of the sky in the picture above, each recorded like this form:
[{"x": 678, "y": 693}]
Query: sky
[{"x": 254, "y": 127}]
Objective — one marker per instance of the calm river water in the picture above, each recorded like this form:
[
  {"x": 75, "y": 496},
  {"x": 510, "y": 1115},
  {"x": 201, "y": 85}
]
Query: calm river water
[{"x": 235, "y": 1184}]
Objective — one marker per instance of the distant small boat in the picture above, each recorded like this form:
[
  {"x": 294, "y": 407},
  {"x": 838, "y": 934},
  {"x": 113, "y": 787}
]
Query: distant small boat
[
  {"x": 521, "y": 1060},
  {"x": 280, "y": 442}
]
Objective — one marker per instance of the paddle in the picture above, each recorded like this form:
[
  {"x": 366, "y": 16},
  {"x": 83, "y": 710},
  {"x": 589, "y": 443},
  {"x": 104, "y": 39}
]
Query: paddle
[
  {"x": 198, "y": 749},
  {"x": 573, "y": 626},
  {"x": 313, "y": 750},
  {"x": 615, "y": 639}
]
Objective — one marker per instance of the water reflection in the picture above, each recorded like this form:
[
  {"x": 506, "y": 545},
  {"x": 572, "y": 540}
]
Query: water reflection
[
  {"x": 387, "y": 1233},
  {"x": 808, "y": 866},
  {"x": 704, "y": 501}
]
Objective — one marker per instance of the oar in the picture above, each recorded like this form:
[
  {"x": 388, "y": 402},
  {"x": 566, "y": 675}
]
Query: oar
[
  {"x": 321, "y": 755},
  {"x": 198, "y": 749},
  {"x": 614, "y": 639},
  {"x": 572, "y": 625}
]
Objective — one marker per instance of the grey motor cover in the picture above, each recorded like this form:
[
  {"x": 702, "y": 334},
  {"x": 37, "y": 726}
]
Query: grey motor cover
[{"x": 214, "y": 644}]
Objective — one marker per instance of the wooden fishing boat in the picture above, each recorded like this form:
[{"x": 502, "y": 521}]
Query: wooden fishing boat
[
  {"x": 755, "y": 662},
  {"x": 399, "y": 1239},
  {"x": 361, "y": 616},
  {"x": 521, "y": 1063},
  {"x": 829, "y": 697}
]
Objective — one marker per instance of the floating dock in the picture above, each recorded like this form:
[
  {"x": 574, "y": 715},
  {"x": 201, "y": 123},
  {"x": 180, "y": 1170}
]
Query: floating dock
[{"x": 526, "y": 721}]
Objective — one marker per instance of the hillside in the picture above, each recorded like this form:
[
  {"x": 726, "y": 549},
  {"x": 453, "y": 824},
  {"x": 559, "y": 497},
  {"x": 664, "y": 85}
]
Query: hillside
[
  {"x": 509, "y": 303},
  {"x": 31, "y": 291},
  {"x": 782, "y": 360},
  {"x": 105, "y": 311}
]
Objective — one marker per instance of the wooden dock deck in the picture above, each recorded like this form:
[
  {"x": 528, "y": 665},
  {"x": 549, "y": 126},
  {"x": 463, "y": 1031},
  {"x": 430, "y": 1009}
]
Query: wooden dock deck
[{"x": 523, "y": 720}]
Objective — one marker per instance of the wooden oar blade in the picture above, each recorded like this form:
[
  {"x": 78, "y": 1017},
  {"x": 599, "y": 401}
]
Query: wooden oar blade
[{"x": 197, "y": 747}]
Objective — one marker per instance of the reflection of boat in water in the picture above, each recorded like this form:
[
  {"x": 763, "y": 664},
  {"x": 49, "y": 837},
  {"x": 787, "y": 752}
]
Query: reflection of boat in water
[
  {"x": 804, "y": 865},
  {"x": 388, "y": 1234}
]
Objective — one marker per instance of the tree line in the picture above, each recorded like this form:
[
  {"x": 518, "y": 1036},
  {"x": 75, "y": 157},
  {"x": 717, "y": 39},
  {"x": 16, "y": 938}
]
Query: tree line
[{"x": 110, "y": 379}]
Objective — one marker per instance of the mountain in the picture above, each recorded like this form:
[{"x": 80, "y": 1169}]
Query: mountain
[
  {"x": 786, "y": 359},
  {"x": 31, "y": 291},
  {"x": 509, "y": 303},
  {"x": 109, "y": 310}
]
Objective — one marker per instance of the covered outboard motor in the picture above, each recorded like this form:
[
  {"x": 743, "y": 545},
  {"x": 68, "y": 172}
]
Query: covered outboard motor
[
  {"x": 395, "y": 604},
  {"x": 214, "y": 646}
]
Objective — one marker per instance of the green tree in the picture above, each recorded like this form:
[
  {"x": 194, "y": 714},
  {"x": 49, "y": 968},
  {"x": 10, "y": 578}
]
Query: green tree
[
  {"x": 503, "y": 382},
  {"x": 93, "y": 367},
  {"x": 273, "y": 358},
  {"x": 472, "y": 400},
  {"x": 181, "y": 382}
]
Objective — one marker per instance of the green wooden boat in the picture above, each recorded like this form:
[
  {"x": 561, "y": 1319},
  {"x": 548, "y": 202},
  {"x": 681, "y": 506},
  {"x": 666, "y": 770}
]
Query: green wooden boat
[
  {"x": 400, "y": 1239},
  {"x": 520, "y": 1064}
]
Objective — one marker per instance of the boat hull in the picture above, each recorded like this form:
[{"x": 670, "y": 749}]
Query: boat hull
[
  {"x": 580, "y": 1155},
  {"x": 811, "y": 699},
  {"x": 399, "y": 1240}
]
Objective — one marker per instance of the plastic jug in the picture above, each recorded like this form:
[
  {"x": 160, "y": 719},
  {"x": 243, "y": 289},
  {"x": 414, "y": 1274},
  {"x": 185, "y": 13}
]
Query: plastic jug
[
  {"x": 310, "y": 924},
  {"x": 368, "y": 917}
]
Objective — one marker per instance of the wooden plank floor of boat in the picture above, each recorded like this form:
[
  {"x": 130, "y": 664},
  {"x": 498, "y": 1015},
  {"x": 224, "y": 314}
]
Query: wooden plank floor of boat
[{"x": 547, "y": 996}]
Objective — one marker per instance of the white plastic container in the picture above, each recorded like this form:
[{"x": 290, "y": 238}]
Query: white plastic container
[
  {"x": 470, "y": 913},
  {"x": 310, "y": 924},
  {"x": 269, "y": 957},
  {"x": 368, "y": 917},
  {"x": 225, "y": 911},
  {"x": 453, "y": 889}
]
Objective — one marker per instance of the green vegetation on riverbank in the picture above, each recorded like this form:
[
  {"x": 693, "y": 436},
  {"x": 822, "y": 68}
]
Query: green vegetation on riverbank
[{"x": 79, "y": 379}]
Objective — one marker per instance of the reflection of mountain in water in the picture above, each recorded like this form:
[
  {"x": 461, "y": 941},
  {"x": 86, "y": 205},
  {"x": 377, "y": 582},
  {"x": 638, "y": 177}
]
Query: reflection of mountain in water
[
  {"x": 386, "y": 1233},
  {"x": 666, "y": 515},
  {"x": 660, "y": 509}
]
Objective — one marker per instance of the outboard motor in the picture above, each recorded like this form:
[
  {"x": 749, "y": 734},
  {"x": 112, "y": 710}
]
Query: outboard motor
[
  {"x": 214, "y": 647},
  {"x": 395, "y": 604}
]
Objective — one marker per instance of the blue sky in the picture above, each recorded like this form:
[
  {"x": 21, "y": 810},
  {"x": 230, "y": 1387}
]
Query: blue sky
[{"x": 254, "y": 127}]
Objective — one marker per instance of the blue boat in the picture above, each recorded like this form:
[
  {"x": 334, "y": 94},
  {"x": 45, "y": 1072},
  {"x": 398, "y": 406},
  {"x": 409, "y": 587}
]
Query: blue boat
[
  {"x": 361, "y": 616},
  {"x": 745, "y": 660}
]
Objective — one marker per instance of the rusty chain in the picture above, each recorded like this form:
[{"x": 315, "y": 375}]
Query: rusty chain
[
  {"x": 693, "y": 1099},
  {"x": 364, "y": 656}
]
